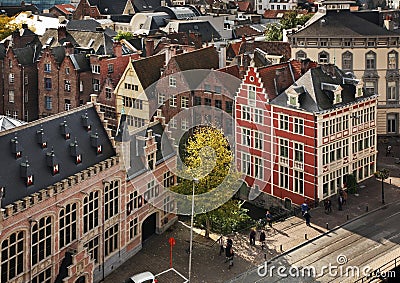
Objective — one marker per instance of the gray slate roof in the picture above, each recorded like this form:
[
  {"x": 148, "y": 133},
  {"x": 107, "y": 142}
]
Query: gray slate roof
[
  {"x": 137, "y": 146},
  {"x": 107, "y": 7},
  {"x": 80, "y": 61},
  {"x": 28, "y": 55},
  {"x": 15, "y": 186},
  {"x": 315, "y": 99},
  {"x": 343, "y": 24}
]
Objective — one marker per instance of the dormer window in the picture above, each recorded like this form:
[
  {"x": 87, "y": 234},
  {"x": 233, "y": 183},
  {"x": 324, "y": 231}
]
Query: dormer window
[
  {"x": 94, "y": 141},
  {"x": 338, "y": 97},
  {"x": 27, "y": 173},
  {"x": 52, "y": 162},
  {"x": 359, "y": 89},
  {"x": 65, "y": 131},
  {"x": 16, "y": 148},
  {"x": 41, "y": 138},
  {"x": 76, "y": 152},
  {"x": 86, "y": 122}
]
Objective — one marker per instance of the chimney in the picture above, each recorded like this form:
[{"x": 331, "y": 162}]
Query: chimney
[
  {"x": 388, "y": 24},
  {"x": 62, "y": 32},
  {"x": 168, "y": 55},
  {"x": 149, "y": 47},
  {"x": 69, "y": 48},
  {"x": 222, "y": 56},
  {"x": 117, "y": 49}
]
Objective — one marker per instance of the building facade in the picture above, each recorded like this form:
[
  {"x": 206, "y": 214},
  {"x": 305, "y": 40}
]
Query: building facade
[
  {"x": 69, "y": 214},
  {"x": 369, "y": 51},
  {"x": 303, "y": 142}
]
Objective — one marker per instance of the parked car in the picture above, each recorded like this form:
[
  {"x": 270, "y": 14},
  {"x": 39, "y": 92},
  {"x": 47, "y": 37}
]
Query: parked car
[{"x": 144, "y": 277}]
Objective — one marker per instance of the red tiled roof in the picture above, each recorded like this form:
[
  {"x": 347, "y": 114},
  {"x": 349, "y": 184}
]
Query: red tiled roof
[
  {"x": 244, "y": 6},
  {"x": 268, "y": 75},
  {"x": 232, "y": 70},
  {"x": 67, "y": 9},
  {"x": 235, "y": 46},
  {"x": 272, "y": 14},
  {"x": 246, "y": 31}
]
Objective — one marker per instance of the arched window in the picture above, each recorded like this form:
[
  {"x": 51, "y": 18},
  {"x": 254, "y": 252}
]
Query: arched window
[
  {"x": 347, "y": 61},
  {"x": 301, "y": 55},
  {"x": 41, "y": 239},
  {"x": 12, "y": 256},
  {"x": 323, "y": 57},
  {"x": 370, "y": 60},
  {"x": 67, "y": 224},
  {"x": 392, "y": 60},
  {"x": 91, "y": 211}
]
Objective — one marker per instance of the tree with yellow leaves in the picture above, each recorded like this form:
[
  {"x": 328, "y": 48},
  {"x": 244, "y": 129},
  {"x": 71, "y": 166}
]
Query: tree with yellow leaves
[
  {"x": 209, "y": 159},
  {"x": 6, "y": 28}
]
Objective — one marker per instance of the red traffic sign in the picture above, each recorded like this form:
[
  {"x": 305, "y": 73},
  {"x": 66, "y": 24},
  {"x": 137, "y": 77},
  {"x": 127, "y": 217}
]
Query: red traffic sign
[{"x": 171, "y": 241}]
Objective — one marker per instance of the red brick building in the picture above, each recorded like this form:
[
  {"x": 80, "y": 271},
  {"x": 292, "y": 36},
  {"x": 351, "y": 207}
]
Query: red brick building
[
  {"x": 68, "y": 212},
  {"x": 18, "y": 81},
  {"x": 302, "y": 130},
  {"x": 69, "y": 74}
]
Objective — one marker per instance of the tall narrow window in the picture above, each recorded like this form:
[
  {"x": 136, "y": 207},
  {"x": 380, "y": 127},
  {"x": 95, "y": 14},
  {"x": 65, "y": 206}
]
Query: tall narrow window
[
  {"x": 41, "y": 240},
  {"x": 111, "y": 199},
  {"x": 391, "y": 91},
  {"x": 370, "y": 61},
  {"x": 298, "y": 182},
  {"x": 347, "y": 61},
  {"x": 91, "y": 211},
  {"x": 92, "y": 247},
  {"x": 12, "y": 256},
  {"x": 67, "y": 223},
  {"x": 392, "y": 60},
  {"x": 111, "y": 240}
]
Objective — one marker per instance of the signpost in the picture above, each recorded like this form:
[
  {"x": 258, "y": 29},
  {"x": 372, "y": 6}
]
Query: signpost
[{"x": 171, "y": 244}]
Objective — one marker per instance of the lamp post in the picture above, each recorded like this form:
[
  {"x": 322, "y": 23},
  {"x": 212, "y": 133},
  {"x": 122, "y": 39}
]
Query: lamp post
[
  {"x": 195, "y": 181},
  {"x": 382, "y": 175}
]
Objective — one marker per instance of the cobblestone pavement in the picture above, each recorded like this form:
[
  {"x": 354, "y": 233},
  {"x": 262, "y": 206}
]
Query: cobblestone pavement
[{"x": 208, "y": 266}]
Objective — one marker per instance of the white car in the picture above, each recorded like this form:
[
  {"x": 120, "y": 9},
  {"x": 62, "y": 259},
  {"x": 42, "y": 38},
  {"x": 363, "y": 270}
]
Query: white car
[{"x": 144, "y": 277}]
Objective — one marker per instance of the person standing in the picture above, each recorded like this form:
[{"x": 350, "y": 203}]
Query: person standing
[
  {"x": 307, "y": 216},
  {"x": 304, "y": 207},
  {"x": 262, "y": 239},
  {"x": 340, "y": 202},
  {"x": 268, "y": 216},
  {"x": 229, "y": 252},
  {"x": 344, "y": 197},
  {"x": 252, "y": 237}
]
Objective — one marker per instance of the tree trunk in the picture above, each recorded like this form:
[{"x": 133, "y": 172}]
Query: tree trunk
[{"x": 208, "y": 228}]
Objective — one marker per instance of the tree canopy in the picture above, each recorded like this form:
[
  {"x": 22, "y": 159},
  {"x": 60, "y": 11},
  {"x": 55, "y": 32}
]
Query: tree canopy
[
  {"x": 123, "y": 35},
  {"x": 208, "y": 158},
  {"x": 274, "y": 32},
  {"x": 5, "y": 27}
]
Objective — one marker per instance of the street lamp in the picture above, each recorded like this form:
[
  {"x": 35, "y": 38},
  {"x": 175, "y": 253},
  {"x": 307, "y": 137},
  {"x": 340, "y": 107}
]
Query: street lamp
[
  {"x": 195, "y": 181},
  {"x": 382, "y": 175}
]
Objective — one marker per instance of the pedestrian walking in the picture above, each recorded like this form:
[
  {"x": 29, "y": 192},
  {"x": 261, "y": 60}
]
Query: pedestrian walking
[
  {"x": 268, "y": 216},
  {"x": 229, "y": 253},
  {"x": 221, "y": 245},
  {"x": 304, "y": 207},
  {"x": 307, "y": 216},
  {"x": 252, "y": 237},
  {"x": 262, "y": 239},
  {"x": 388, "y": 150},
  {"x": 344, "y": 197},
  {"x": 340, "y": 202},
  {"x": 329, "y": 206}
]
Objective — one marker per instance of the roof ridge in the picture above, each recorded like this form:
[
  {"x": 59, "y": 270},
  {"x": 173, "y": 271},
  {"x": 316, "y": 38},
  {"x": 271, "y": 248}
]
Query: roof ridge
[{"x": 48, "y": 118}]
